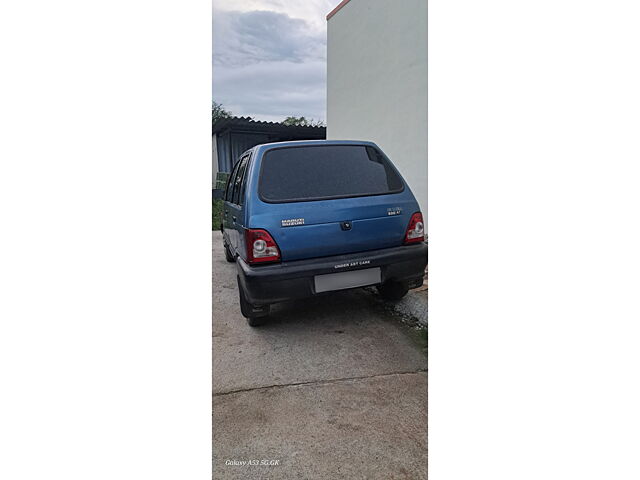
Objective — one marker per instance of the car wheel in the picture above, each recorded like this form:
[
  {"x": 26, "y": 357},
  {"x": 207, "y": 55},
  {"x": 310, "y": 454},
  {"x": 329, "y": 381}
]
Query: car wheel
[
  {"x": 392, "y": 290},
  {"x": 256, "y": 321},
  {"x": 254, "y": 318},
  {"x": 227, "y": 254}
]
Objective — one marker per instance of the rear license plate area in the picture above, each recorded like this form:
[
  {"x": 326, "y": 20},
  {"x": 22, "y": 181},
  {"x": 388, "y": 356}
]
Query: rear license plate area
[{"x": 344, "y": 280}]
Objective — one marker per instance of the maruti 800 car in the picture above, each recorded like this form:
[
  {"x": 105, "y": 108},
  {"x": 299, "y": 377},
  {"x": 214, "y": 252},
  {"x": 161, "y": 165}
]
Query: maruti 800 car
[{"x": 309, "y": 217}]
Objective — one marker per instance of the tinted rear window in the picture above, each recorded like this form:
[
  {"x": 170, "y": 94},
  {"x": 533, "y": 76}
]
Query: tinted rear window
[{"x": 325, "y": 171}]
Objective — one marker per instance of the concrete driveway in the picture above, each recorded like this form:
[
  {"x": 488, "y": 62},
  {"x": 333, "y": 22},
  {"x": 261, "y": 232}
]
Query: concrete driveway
[{"x": 330, "y": 387}]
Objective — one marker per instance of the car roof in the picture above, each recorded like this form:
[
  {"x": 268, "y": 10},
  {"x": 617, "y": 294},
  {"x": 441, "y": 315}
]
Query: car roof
[{"x": 304, "y": 143}]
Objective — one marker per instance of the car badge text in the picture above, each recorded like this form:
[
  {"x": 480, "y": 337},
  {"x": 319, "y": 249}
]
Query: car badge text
[
  {"x": 290, "y": 222},
  {"x": 358, "y": 263},
  {"x": 394, "y": 211}
]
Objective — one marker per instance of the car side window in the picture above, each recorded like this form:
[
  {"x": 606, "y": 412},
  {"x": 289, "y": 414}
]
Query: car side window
[
  {"x": 230, "y": 183},
  {"x": 243, "y": 185},
  {"x": 238, "y": 180}
]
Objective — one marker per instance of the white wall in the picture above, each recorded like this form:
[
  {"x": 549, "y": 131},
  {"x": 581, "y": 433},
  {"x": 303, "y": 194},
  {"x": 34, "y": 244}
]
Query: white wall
[{"x": 377, "y": 81}]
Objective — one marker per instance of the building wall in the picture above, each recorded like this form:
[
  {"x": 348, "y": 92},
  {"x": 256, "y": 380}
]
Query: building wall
[
  {"x": 231, "y": 142},
  {"x": 214, "y": 157},
  {"x": 231, "y": 145},
  {"x": 377, "y": 81}
]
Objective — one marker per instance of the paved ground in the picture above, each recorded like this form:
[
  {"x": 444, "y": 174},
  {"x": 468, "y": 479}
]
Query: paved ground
[{"x": 331, "y": 387}]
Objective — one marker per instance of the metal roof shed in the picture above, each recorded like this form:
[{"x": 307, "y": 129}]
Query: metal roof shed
[{"x": 234, "y": 135}]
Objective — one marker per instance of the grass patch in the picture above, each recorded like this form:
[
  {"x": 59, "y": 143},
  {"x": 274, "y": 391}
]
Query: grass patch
[
  {"x": 420, "y": 336},
  {"x": 217, "y": 213},
  {"x": 423, "y": 335}
]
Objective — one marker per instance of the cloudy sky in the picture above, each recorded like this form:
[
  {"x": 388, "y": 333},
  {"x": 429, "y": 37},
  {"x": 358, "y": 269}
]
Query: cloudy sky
[{"x": 269, "y": 57}]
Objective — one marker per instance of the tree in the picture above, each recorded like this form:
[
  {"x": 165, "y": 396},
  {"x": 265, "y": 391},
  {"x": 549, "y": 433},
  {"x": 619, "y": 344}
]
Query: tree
[
  {"x": 302, "y": 122},
  {"x": 218, "y": 112}
]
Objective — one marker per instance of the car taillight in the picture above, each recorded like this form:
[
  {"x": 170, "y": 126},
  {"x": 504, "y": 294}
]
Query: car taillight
[
  {"x": 415, "y": 230},
  {"x": 261, "y": 248}
]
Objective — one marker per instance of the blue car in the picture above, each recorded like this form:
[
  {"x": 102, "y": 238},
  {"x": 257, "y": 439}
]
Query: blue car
[{"x": 309, "y": 217}]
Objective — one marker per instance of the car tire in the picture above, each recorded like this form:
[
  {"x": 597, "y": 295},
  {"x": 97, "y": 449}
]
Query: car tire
[
  {"x": 256, "y": 321},
  {"x": 392, "y": 290},
  {"x": 227, "y": 254},
  {"x": 253, "y": 319}
]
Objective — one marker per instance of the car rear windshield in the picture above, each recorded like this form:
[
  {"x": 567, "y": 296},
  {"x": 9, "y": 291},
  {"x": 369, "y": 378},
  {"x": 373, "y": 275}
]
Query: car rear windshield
[{"x": 320, "y": 172}]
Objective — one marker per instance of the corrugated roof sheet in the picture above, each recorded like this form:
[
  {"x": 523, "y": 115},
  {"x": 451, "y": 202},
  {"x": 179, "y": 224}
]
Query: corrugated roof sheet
[{"x": 249, "y": 122}]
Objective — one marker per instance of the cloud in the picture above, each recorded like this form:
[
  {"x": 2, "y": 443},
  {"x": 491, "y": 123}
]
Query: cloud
[
  {"x": 241, "y": 39},
  {"x": 268, "y": 65},
  {"x": 273, "y": 90},
  {"x": 313, "y": 12}
]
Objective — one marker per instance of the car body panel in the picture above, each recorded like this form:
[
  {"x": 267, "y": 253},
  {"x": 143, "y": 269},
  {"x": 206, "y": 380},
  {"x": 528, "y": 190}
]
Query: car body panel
[
  {"x": 377, "y": 221},
  {"x": 313, "y": 234}
]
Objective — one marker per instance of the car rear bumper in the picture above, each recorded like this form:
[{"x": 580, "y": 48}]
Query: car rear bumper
[{"x": 265, "y": 284}]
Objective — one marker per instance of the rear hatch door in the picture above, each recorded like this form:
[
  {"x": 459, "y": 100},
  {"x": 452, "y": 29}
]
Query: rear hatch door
[{"x": 325, "y": 200}]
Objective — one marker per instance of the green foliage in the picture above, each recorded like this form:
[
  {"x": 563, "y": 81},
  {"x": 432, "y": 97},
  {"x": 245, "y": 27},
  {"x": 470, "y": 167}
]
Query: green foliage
[
  {"x": 221, "y": 180},
  {"x": 217, "y": 214},
  {"x": 303, "y": 122},
  {"x": 218, "y": 112},
  {"x": 221, "y": 183}
]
